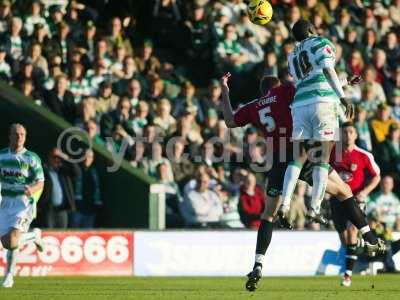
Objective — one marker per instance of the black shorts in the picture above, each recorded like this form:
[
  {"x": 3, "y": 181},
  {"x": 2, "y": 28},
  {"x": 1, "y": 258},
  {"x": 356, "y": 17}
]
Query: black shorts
[
  {"x": 306, "y": 172},
  {"x": 339, "y": 215},
  {"x": 277, "y": 174}
]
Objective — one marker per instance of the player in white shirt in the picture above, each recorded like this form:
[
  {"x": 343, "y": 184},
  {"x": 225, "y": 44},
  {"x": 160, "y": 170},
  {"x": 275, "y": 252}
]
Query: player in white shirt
[
  {"x": 21, "y": 179},
  {"x": 315, "y": 111}
]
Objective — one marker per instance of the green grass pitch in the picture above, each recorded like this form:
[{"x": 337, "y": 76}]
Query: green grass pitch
[{"x": 87, "y": 288}]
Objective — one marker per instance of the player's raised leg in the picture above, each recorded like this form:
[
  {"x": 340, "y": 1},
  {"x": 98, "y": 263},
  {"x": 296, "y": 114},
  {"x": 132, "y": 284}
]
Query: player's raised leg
[{"x": 338, "y": 188}]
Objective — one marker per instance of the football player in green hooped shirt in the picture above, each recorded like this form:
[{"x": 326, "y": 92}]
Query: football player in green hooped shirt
[{"x": 22, "y": 181}]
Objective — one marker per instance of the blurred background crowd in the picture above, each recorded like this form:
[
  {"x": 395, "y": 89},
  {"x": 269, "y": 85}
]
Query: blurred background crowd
[{"x": 150, "y": 68}]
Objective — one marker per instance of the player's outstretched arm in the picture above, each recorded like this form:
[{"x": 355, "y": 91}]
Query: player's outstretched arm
[{"x": 226, "y": 106}]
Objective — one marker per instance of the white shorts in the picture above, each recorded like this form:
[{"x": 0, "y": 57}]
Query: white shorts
[
  {"x": 316, "y": 121},
  {"x": 15, "y": 214}
]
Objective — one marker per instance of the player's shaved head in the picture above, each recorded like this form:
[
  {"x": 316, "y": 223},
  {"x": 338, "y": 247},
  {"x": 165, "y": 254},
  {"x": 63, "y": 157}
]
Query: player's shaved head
[
  {"x": 17, "y": 136},
  {"x": 302, "y": 29},
  {"x": 267, "y": 83},
  {"x": 15, "y": 126}
]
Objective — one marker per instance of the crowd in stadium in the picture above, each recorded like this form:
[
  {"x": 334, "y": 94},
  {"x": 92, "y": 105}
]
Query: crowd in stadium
[{"x": 150, "y": 69}]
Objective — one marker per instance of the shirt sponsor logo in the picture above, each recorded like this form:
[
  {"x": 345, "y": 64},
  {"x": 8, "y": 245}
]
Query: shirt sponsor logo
[
  {"x": 353, "y": 167},
  {"x": 11, "y": 173}
]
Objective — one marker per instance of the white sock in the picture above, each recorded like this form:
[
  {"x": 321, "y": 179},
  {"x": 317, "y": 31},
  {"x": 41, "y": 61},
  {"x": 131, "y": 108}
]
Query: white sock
[
  {"x": 320, "y": 175},
  {"x": 27, "y": 238},
  {"x": 259, "y": 258},
  {"x": 11, "y": 260},
  {"x": 292, "y": 174}
]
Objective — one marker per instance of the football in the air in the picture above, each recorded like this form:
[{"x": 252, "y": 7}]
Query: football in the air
[{"x": 260, "y": 11}]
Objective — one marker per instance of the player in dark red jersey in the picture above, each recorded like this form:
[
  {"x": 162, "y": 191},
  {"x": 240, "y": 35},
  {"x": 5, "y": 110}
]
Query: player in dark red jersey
[
  {"x": 271, "y": 114},
  {"x": 353, "y": 166}
]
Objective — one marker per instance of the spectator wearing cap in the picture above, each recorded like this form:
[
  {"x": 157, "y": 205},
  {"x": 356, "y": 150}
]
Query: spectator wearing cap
[
  {"x": 389, "y": 152},
  {"x": 61, "y": 101},
  {"x": 56, "y": 18},
  {"x": 251, "y": 202},
  {"x": 106, "y": 101},
  {"x": 5, "y": 15},
  {"x": 35, "y": 17},
  {"x": 5, "y": 69},
  {"x": 385, "y": 204},
  {"x": 116, "y": 37},
  {"x": 13, "y": 41},
  {"x": 381, "y": 123},
  {"x": 78, "y": 84}
]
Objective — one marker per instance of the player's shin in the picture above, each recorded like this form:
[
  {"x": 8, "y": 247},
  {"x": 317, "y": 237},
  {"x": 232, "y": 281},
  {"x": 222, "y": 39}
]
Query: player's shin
[
  {"x": 12, "y": 255},
  {"x": 292, "y": 174},
  {"x": 320, "y": 175},
  {"x": 351, "y": 258},
  {"x": 356, "y": 217},
  {"x": 264, "y": 236}
]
